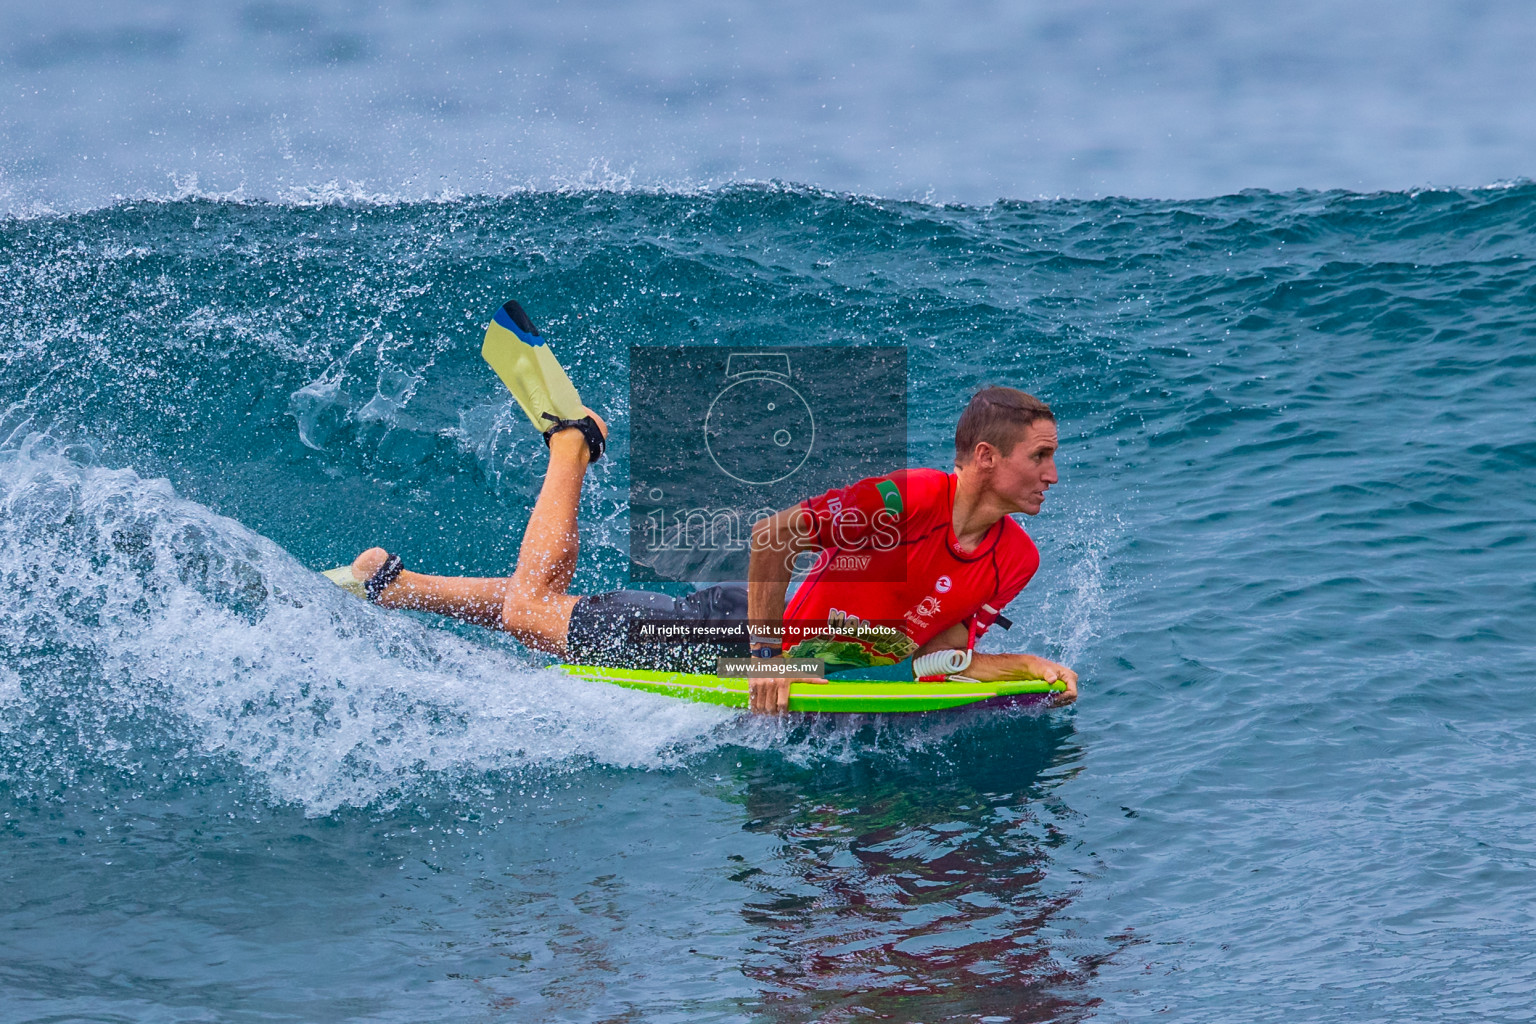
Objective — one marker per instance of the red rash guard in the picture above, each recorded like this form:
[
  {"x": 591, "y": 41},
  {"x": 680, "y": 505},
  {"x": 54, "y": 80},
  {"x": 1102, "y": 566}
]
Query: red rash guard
[{"x": 890, "y": 559}]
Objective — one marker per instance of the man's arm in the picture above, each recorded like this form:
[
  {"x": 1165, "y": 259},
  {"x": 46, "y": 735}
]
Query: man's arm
[
  {"x": 775, "y": 543},
  {"x": 992, "y": 667},
  {"x": 954, "y": 638}
]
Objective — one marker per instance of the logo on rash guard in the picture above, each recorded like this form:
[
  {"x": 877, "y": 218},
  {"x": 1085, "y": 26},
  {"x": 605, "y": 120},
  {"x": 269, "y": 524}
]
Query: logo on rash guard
[
  {"x": 839, "y": 619},
  {"x": 926, "y": 609},
  {"x": 942, "y": 584}
]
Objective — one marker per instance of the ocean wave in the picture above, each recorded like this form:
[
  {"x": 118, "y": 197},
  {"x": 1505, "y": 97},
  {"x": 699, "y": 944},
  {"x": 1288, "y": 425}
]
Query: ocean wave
[
  {"x": 1292, "y": 404},
  {"x": 154, "y": 642},
  {"x": 140, "y": 626}
]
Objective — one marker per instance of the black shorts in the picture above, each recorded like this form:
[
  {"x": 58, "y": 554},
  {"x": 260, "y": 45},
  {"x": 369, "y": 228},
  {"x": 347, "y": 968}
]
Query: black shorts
[{"x": 600, "y": 629}]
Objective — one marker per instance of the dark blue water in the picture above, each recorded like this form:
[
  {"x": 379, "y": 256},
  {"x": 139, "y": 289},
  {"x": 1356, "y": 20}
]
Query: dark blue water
[{"x": 1290, "y": 555}]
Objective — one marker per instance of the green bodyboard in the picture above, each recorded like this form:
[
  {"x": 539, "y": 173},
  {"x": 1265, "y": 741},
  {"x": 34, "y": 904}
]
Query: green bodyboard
[{"x": 846, "y": 697}]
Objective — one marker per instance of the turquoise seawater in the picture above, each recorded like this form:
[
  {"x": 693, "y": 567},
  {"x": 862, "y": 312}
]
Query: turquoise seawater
[{"x": 1290, "y": 555}]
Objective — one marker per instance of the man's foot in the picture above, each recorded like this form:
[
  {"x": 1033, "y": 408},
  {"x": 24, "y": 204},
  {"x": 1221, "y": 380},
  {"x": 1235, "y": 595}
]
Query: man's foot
[
  {"x": 571, "y": 432},
  {"x": 368, "y": 563},
  {"x": 589, "y": 426},
  {"x": 355, "y": 577}
]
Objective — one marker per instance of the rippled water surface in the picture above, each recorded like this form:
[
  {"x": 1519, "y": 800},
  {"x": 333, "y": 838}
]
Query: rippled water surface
[
  {"x": 965, "y": 100},
  {"x": 1290, "y": 555}
]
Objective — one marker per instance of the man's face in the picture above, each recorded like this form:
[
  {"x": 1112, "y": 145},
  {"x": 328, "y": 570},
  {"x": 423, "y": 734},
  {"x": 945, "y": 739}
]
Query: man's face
[{"x": 1023, "y": 477}]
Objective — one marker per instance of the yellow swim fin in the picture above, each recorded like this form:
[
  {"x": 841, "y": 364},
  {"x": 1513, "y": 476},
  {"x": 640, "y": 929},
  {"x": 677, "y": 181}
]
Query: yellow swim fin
[
  {"x": 518, "y": 354},
  {"x": 346, "y": 579}
]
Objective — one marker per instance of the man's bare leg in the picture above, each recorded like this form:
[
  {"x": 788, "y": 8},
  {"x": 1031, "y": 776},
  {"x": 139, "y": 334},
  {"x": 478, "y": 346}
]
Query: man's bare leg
[
  {"x": 470, "y": 598},
  {"x": 532, "y": 604},
  {"x": 536, "y": 607}
]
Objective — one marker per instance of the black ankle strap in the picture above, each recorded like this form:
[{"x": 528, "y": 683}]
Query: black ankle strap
[
  {"x": 588, "y": 427},
  {"x": 383, "y": 577}
]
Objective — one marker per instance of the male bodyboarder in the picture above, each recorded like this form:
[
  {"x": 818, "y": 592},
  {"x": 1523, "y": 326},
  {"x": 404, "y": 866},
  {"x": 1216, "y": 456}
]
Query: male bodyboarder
[{"x": 939, "y": 555}]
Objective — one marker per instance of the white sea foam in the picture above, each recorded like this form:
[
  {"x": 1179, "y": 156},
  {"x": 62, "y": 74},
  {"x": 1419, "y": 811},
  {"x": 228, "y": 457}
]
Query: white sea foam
[
  {"x": 10, "y": 688},
  {"x": 596, "y": 179},
  {"x": 327, "y": 701},
  {"x": 1084, "y": 603}
]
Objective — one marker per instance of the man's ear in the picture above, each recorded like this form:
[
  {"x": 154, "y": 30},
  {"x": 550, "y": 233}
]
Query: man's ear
[{"x": 984, "y": 456}]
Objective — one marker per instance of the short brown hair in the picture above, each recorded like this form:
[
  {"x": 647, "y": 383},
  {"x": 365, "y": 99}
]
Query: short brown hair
[{"x": 998, "y": 416}]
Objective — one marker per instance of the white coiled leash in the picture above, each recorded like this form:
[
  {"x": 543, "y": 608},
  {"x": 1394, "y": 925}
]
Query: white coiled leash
[{"x": 942, "y": 666}]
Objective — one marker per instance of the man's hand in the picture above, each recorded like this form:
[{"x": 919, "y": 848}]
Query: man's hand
[
  {"x": 769, "y": 695},
  {"x": 1052, "y": 672}
]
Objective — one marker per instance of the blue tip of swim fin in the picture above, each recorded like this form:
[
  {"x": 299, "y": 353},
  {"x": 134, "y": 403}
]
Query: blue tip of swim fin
[{"x": 512, "y": 317}]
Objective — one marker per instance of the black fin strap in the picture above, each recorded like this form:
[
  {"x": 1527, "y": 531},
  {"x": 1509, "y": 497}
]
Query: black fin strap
[
  {"x": 383, "y": 577},
  {"x": 588, "y": 427},
  {"x": 1004, "y": 621}
]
